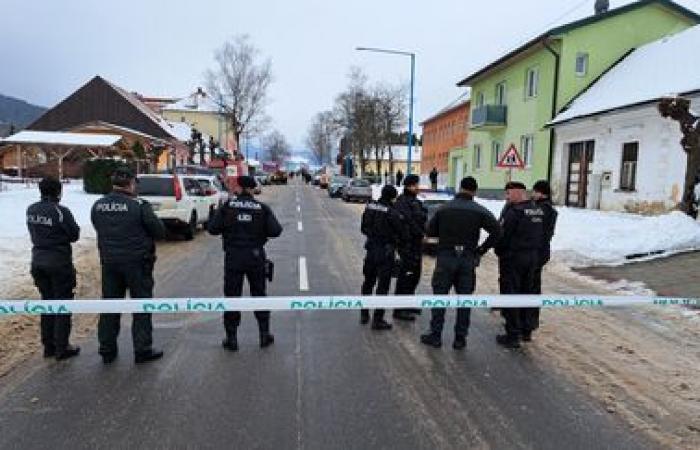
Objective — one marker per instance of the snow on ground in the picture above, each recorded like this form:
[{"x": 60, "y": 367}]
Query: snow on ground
[
  {"x": 587, "y": 237},
  {"x": 15, "y": 245}
]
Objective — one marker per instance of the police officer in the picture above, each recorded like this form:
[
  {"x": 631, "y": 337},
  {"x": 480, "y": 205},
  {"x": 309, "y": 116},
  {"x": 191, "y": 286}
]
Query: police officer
[
  {"x": 541, "y": 194},
  {"x": 52, "y": 229},
  {"x": 457, "y": 225},
  {"x": 384, "y": 228},
  {"x": 411, "y": 248},
  {"x": 126, "y": 230},
  {"x": 245, "y": 225},
  {"x": 518, "y": 252}
]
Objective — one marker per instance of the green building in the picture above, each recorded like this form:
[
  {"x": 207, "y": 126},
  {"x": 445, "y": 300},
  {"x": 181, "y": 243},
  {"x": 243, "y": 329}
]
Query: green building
[{"x": 513, "y": 98}]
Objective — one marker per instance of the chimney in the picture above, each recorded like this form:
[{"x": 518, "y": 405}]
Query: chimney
[{"x": 601, "y": 6}]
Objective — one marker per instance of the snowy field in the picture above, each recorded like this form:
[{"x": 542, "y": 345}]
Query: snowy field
[
  {"x": 587, "y": 237},
  {"x": 15, "y": 245}
]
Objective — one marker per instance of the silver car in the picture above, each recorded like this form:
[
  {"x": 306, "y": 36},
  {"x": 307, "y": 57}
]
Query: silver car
[{"x": 357, "y": 190}]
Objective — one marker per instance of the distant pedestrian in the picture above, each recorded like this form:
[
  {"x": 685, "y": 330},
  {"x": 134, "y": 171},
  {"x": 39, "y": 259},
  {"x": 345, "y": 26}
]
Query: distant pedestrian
[
  {"x": 126, "y": 230},
  {"x": 518, "y": 252},
  {"x": 52, "y": 229},
  {"x": 458, "y": 225},
  {"x": 399, "y": 177},
  {"x": 695, "y": 198},
  {"x": 434, "y": 179},
  {"x": 245, "y": 226},
  {"x": 384, "y": 228}
]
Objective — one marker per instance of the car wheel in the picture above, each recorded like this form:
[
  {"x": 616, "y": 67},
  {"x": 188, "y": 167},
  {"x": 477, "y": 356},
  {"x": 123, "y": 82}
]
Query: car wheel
[
  {"x": 191, "y": 227},
  {"x": 205, "y": 225}
]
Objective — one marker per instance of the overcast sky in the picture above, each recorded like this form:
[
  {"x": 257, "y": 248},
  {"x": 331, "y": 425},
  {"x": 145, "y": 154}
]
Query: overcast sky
[{"x": 50, "y": 48}]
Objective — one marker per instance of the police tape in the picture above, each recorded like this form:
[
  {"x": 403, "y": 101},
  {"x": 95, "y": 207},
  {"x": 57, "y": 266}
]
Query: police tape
[{"x": 334, "y": 303}]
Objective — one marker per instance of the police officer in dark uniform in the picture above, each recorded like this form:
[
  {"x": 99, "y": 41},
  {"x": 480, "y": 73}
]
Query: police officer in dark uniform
[
  {"x": 457, "y": 225},
  {"x": 126, "y": 230},
  {"x": 410, "y": 249},
  {"x": 52, "y": 229},
  {"x": 384, "y": 228},
  {"x": 541, "y": 194},
  {"x": 518, "y": 252},
  {"x": 245, "y": 225}
]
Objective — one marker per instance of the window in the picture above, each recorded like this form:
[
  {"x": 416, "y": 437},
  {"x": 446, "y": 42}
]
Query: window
[
  {"x": 628, "y": 172},
  {"x": 480, "y": 99},
  {"x": 532, "y": 80},
  {"x": 501, "y": 93},
  {"x": 581, "y": 64},
  {"x": 495, "y": 153},
  {"x": 477, "y": 156},
  {"x": 527, "y": 147}
]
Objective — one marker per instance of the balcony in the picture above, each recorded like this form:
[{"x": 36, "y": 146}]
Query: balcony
[{"x": 489, "y": 116}]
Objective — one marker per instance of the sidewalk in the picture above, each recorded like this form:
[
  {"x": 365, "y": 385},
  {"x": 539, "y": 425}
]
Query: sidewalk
[{"x": 676, "y": 276}]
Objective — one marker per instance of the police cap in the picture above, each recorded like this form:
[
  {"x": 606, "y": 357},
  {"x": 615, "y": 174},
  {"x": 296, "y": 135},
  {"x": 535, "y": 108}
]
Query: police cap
[
  {"x": 543, "y": 188},
  {"x": 515, "y": 185},
  {"x": 247, "y": 182}
]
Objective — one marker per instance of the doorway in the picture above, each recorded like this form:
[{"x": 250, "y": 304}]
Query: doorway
[{"x": 579, "y": 171}]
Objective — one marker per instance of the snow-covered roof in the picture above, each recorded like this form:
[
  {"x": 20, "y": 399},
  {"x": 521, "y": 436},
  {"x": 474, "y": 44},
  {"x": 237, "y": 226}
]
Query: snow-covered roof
[
  {"x": 198, "y": 101},
  {"x": 62, "y": 138},
  {"x": 182, "y": 131},
  {"x": 668, "y": 66}
]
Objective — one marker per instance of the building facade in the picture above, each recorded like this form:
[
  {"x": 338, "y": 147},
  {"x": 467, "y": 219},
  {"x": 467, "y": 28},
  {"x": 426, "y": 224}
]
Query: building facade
[
  {"x": 444, "y": 133},
  {"x": 515, "y": 97},
  {"x": 398, "y": 161}
]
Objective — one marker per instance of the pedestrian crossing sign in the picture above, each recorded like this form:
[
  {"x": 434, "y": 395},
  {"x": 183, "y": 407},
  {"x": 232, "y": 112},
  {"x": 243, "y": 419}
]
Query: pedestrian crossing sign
[{"x": 511, "y": 159}]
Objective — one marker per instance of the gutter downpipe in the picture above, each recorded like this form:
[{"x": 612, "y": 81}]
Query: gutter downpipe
[{"x": 557, "y": 63}]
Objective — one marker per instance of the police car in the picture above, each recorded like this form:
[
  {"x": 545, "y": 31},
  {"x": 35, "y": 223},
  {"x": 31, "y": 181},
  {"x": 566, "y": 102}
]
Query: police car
[
  {"x": 179, "y": 201},
  {"x": 432, "y": 201}
]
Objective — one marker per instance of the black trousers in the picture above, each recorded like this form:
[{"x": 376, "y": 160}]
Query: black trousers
[
  {"x": 248, "y": 263},
  {"x": 453, "y": 270},
  {"x": 378, "y": 265},
  {"x": 517, "y": 276},
  {"x": 410, "y": 266},
  {"x": 55, "y": 283},
  {"x": 118, "y": 278}
]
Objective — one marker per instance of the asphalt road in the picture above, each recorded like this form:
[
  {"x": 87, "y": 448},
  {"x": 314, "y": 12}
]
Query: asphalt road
[{"x": 327, "y": 382}]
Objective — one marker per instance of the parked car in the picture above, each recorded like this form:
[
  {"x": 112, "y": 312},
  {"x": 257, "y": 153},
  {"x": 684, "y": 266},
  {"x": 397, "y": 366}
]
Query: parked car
[
  {"x": 336, "y": 185},
  {"x": 214, "y": 190},
  {"x": 432, "y": 201},
  {"x": 178, "y": 201},
  {"x": 263, "y": 178},
  {"x": 278, "y": 177},
  {"x": 324, "y": 181},
  {"x": 357, "y": 190}
]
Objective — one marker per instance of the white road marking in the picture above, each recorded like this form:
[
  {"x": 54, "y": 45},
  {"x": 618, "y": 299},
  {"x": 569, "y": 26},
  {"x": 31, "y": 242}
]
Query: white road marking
[
  {"x": 298, "y": 208},
  {"x": 300, "y": 226},
  {"x": 303, "y": 275}
]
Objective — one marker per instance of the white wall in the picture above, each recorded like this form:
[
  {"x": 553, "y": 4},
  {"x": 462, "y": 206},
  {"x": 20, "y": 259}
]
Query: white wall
[{"x": 661, "y": 161}]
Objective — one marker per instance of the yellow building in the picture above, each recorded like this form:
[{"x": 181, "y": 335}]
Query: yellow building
[
  {"x": 400, "y": 161},
  {"x": 199, "y": 111}
]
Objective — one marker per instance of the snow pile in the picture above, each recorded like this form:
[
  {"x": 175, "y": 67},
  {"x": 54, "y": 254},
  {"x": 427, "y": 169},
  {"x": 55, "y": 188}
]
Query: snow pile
[
  {"x": 15, "y": 245},
  {"x": 585, "y": 237}
]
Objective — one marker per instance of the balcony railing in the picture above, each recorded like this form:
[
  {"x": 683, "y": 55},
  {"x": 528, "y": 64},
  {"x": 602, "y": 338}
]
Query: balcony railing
[{"x": 490, "y": 116}]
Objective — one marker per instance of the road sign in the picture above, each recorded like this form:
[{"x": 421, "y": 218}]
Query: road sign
[{"x": 511, "y": 159}]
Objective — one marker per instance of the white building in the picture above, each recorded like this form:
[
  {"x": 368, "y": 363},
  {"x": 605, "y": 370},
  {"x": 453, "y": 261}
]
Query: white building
[{"x": 613, "y": 150}]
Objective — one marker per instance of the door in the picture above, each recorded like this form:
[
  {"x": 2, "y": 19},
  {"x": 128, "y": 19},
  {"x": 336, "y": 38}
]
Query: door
[
  {"x": 459, "y": 171},
  {"x": 579, "y": 171}
]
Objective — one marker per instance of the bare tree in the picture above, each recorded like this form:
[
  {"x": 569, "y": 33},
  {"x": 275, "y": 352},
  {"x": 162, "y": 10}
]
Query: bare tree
[
  {"x": 275, "y": 146},
  {"x": 322, "y": 136},
  {"x": 678, "y": 109},
  {"x": 239, "y": 85}
]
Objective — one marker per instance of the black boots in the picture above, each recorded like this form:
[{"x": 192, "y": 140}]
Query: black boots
[
  {"x": 402, "y": 314},
  {"x": 266, "y": 338},
  {"x": 460, "y": 342},
  {"x": 381, "y": 325},
  {"x": 147, "y": 356},
  {"x": 364, "y": 317},
  {"x": 431, "y": 339},
  {"x": 69, "y": 352},
  {"x": 230, "y": 343},
  {"x": 508, "y": 341}
]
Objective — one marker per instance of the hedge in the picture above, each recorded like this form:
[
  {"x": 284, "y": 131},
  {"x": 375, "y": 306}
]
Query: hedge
[{"x": 97, "y": 175}]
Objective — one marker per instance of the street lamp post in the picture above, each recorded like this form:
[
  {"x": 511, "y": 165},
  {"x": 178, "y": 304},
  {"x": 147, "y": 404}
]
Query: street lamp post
[{"x": 410, "y": 100}]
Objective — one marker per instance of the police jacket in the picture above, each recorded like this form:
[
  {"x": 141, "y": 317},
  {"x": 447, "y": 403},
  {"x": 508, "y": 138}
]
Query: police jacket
[
  {"x": 126, "y": 228},
  {"x": 549, "y": 224},
  {"x": 52, "y": 229},
  {"x": 244, "y": 222},
  {"x": 459, "y": 223},
  {"x": 523, "y": 228},
  {"x": 382, "y": 225},
  {"x": 415, "y": 217}
]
